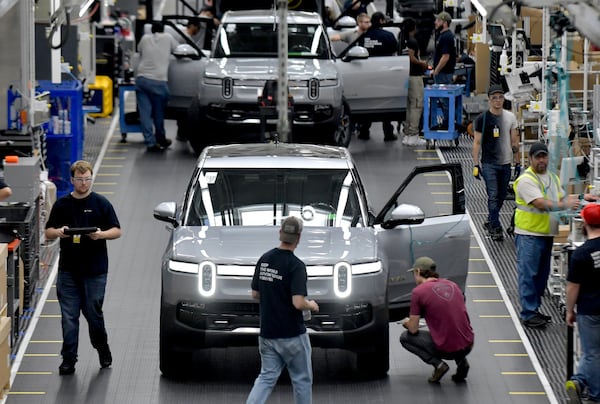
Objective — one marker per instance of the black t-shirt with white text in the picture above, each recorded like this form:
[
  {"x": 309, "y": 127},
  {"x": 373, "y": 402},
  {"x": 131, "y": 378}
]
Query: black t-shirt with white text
[
  {"x": 278, "y": 276},
  {"x": 584, "y": 269}
]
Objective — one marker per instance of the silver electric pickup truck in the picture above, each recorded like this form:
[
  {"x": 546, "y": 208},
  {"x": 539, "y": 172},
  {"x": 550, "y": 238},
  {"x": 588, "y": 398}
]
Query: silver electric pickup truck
[{"x": 215, "y": 98}]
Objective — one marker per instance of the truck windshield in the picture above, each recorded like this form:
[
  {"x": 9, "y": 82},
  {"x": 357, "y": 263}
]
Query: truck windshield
[
  {"x": 242, "y": 40},
  {"x": 263, "y": 197}
]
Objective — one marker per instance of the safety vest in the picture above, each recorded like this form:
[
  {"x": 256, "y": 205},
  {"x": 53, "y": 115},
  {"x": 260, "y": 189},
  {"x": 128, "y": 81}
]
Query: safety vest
[{"x": 527, "y": 216}]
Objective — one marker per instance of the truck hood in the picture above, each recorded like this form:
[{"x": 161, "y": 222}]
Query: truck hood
[
  {"x": 266, "y": 69},
  {"x": 239, "y": 245}
]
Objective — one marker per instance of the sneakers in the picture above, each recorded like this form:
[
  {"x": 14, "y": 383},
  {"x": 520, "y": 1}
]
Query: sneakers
[
  {"x": 535, "y": 322},
  {"x": 155, "y": 148},
  {"x": 462, "y": 370},
  {"x": 67, "y": 367},
  {"x": 496, "y": 234},
  {"x": 165, "y": 143},
  {"x": 105, "y": 357},
  {"x": 439, "y": 372},
  {"x": 414, "y": 140},
  {"x": 573, "y": 391},
  {"x": 544, "y": 316}
]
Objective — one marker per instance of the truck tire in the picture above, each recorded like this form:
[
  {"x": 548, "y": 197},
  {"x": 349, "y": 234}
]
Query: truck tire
[
  {"x": 375, "y": 363},
  {"x": 343, "y": 132},
  {"x": 195, "y": 120},
  {"x": 174, "y": 364}
]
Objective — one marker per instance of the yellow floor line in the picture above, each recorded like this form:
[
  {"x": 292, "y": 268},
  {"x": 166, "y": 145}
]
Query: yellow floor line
[
  {"x": 477, "y": 259},
  {"x": 108, "y": 175},
  {"x": 50, "y": 316},
  {"x": 112, "y": 166},
  {"x": 443, "y": 203},
  {"x": 519, "y": 373},
  {"x": 488, "y": 301},
  {"x": 428, "y": 158},
  {"x": 105, "y": 183},
  {"x": 501, "y": 341},
  {"x": 114, "y": 158},
  {"x": 494, "y": 316},
  {"x": 482, "y": 286},
  {"x": 433, "y": 184},
  {"x": 510, "y": 355},
  {"x": 34, "y": 373},
  {"x": 441, "y": 193},
  {"x": 527, "y": 393},
  {"x": 45, "y": 342},
  {"x": 117, "y": 150},
  {"x": 52, "y": 301},
  {"x": 105, "y": 193},
  {"x": 479, "y": 272}
]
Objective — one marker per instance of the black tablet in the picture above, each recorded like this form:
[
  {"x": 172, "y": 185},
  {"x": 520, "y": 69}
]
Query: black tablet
[{"x": 80, "y": 230}]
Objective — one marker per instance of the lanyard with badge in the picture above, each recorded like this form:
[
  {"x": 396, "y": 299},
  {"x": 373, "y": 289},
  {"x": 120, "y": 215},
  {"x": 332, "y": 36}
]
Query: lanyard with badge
[{"x": 495, "y": 131}]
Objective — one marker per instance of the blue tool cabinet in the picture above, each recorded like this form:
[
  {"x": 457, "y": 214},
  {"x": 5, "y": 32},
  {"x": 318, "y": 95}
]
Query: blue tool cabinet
[
  {"x": 442, "y": 111},
  {"x": 65, "y": 131},
  {"x": 128, "y": 121}
]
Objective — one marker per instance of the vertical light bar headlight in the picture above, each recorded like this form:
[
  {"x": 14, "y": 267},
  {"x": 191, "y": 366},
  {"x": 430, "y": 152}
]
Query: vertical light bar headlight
[
  {"x": 227, "y": 87},
  {"x": 207, "y": 278},
  {"x": 342, "y": 279},
  {"x": 313, "y": 89}
]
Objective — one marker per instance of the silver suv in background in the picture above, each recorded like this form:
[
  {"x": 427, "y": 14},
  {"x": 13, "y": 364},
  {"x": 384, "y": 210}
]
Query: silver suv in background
[
  {"x": 244, "y": 59},
  {"x": 217, "y": 95}
]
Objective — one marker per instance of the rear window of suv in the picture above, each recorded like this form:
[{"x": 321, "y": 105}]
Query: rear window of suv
[
  {"x": 262, "y": 197},
  {"x": 260, "y": 40}
]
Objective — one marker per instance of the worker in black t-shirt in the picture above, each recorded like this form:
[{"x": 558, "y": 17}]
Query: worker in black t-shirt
[{"x": 378, "y": 42}]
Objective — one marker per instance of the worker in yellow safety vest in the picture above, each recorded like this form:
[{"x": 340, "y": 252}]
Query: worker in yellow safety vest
[{"x": 538, "y": 192}]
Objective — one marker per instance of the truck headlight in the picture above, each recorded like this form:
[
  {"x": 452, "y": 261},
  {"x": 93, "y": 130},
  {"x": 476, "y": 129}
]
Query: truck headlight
[
  {"x": 328, "y": 83},
  {"x": 342, "y": 279},
  {"x": 207, "y": 278},
  {"x": 187, "y": 267},
  {"x": 213, "y": 81}
]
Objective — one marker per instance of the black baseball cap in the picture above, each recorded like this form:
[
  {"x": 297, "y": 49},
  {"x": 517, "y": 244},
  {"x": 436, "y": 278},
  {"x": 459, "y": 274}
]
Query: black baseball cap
[
  {"x": 538, "y": 148},
  {"x": 496, "y": 88}
]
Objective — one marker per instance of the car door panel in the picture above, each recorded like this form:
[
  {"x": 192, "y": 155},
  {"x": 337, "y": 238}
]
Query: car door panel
[
  {"x": 376, "y": 84},
  {"x": 444, "y": 235}
]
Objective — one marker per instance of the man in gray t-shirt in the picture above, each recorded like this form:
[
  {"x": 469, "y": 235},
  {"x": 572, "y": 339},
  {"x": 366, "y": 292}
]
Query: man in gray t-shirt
[
  {"x": 151, "y": 89},
  {"x": 497, "y": 137}
]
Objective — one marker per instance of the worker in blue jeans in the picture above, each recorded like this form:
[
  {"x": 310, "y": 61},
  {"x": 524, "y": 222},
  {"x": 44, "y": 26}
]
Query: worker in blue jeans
[
  {"x": 279, "y": 283},
  {"x": 151, "y": 88}
]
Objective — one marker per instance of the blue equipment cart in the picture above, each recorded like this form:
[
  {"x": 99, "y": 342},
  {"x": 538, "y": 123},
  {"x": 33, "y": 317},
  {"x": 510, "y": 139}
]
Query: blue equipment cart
[
  {"x": 442, "y": 111},
  {"x": 128, "y": 121}
]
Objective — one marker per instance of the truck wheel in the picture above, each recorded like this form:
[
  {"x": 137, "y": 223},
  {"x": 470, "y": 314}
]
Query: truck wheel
[
  {"x": 343, "y": 133},
  {"x": 195, "y": 121},
  {"x": 375, "y": 363}
]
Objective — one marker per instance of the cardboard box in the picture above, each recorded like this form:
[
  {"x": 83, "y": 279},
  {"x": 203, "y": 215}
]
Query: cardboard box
[
  {"x": 3, "y": 274},
  {"x": 536, "y": 23},
  {"x": 563, "y": 233},
  {"x": 4, "y": 354}
]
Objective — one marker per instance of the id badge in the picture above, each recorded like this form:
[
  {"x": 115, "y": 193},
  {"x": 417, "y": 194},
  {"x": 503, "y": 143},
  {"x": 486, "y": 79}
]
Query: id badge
[
  {"x": 76, "y": 238},
  {"x": 496, "y": 131}
]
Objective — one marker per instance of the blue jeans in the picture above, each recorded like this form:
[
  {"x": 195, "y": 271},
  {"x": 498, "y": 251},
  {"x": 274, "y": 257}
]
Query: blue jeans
[
  {"x": 293, "y": 353},
  {"x": 152, "y": 97},
  {"x": 86, "y": 295},
  {"x": 534, "y": 254},
  {"x": 496, "y": 177},
  {"x": 422, "y": 345},
  {"x": 588, "y": 371}
]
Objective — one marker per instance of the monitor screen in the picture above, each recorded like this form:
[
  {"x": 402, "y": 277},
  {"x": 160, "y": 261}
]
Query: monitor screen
[
  {"x": 568, "y": 170},
  {"x": 497, "y": 34}
]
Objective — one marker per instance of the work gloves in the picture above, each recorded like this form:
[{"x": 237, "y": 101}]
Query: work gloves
[
  {"x": 516, "y": 171},
  {"x": 477, "y": 172}
]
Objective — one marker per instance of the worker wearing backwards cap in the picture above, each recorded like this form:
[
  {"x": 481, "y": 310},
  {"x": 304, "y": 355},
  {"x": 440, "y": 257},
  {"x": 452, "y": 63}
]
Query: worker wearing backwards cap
[{"x": 583, "y": 292}]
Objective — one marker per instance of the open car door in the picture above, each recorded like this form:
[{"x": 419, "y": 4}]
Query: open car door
[
  {"x": 377, "y": 84},
  {"x": 425, "y": 217}
]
